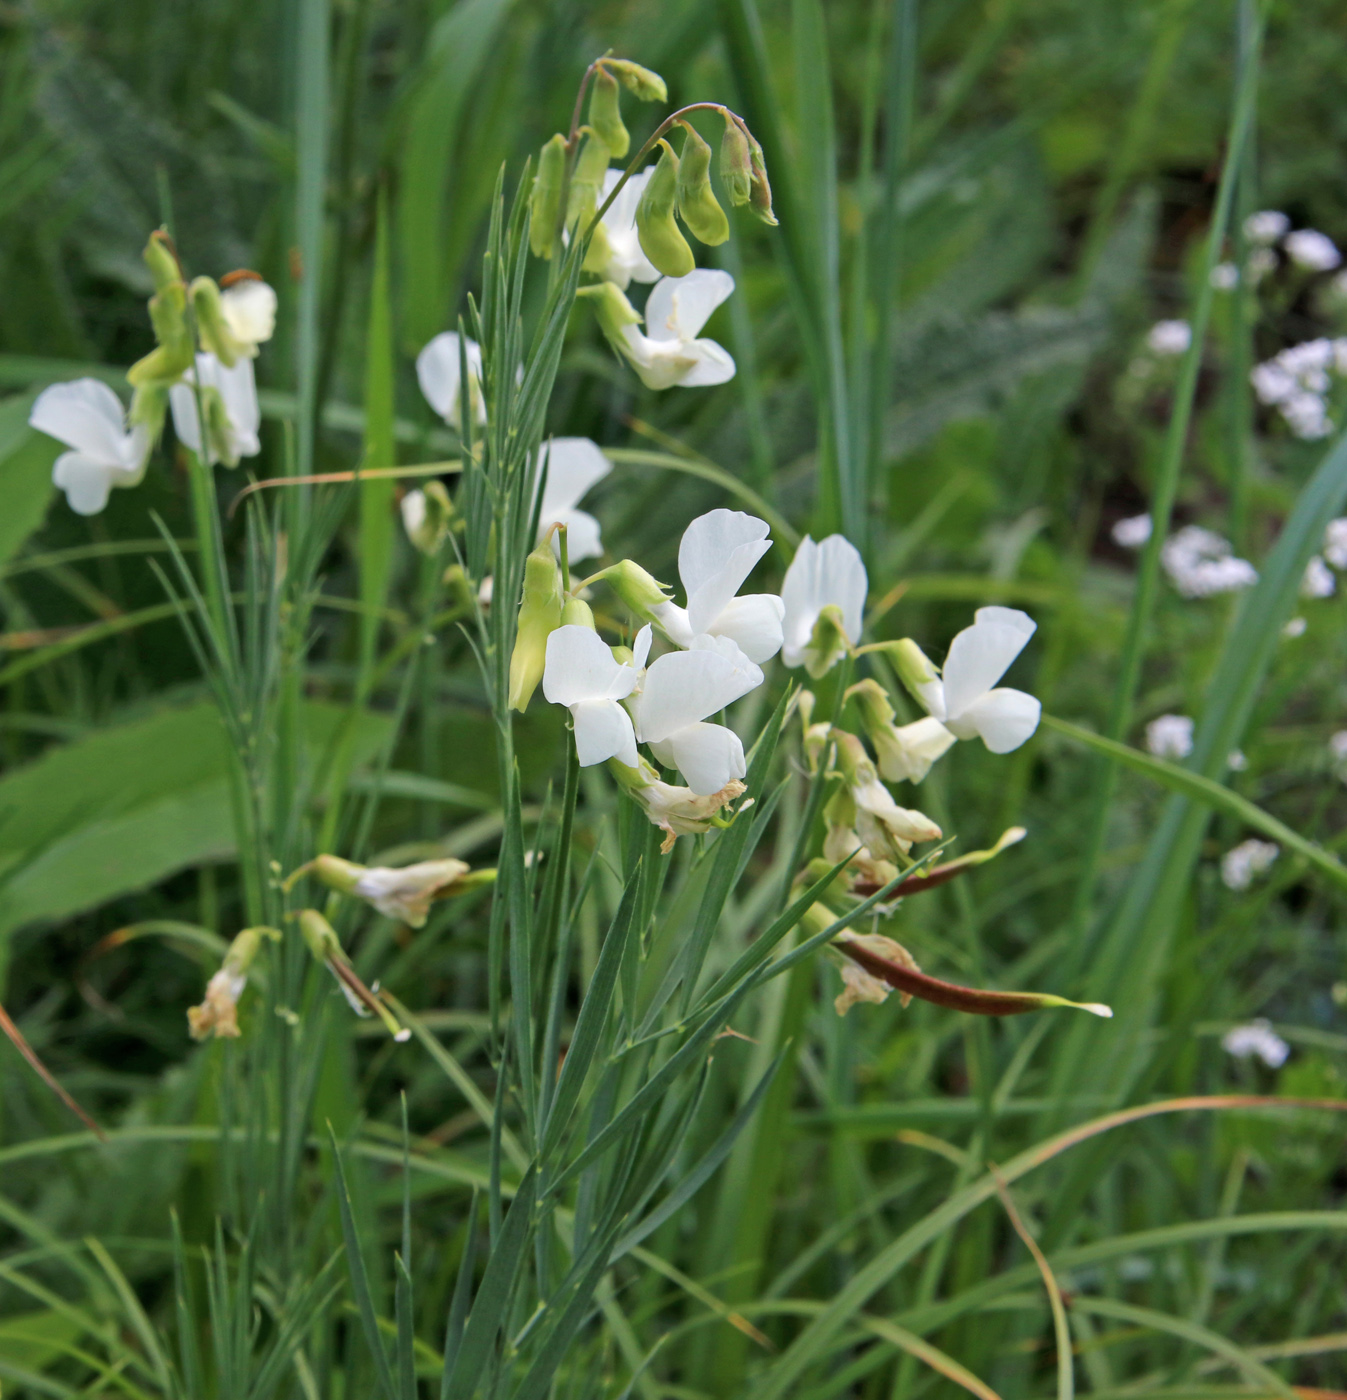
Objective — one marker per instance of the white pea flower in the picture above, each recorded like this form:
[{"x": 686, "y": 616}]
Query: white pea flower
[
  {"x": 1169, "y": 337},
  {"x": 88, "y": 417},
  {"x": 1170, "y": 736},
  {"x": 717, "y": 553},
  {"x": 582, "y": 674},
  {"x": 1257, "y": 1038},
  {"x": 1261, "y": 262},
  {"x": 405, "y": 893},
  {"x": 829, "y": 574},
  {"x": 626, "y": 262},
  {"x": 248, "y": 305},
  {"x": 1225, "y": 277},
  {"x": 1335, "y": 542},
  {"x": 438, "y": 371},
  {"x": 1307, "y": 417},
  {"x": 1266, "y": 226},
  {"x": 1133, "y": 532},
  {"x": 1294, "y": 627},
  {"x": 1200, "y": 563},
  {"x": 232, "y": 415},
  {"x": 1319, "y": 581},
  {"x": 1312, "y": 250},
  {"x": 963, "y": 698},
  {"x": 573, "y": 465},
  {"x": 671, "y": 353},
  {"x": 677, "y": 694},
  {"x": 1242, "y": 863},
  {"x": 1237, "y": 761}
]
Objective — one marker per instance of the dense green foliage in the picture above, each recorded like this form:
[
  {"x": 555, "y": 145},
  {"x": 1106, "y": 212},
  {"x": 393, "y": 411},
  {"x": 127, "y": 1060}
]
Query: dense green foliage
[{"x": 941, "y": 351}]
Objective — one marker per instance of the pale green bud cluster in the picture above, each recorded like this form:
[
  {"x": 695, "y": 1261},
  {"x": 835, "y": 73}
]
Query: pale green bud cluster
[{"x": 539, "y": 616}]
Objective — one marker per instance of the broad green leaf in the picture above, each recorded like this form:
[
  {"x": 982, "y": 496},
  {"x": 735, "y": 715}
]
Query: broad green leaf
[{"x": 32, "y": 1340}]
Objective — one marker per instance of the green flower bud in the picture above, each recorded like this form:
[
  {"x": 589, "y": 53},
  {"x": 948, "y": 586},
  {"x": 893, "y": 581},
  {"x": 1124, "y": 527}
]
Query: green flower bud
[
  {"x": 696, "y": 199},
  {"x": 211, "y": 324},
  {"x": 736, "y": 162},
  {"x": 161, "y": 260},
  {"x": 545, "y": 200},
  {"x": 647, "y": 85},
  {"x": 586, "y": 182},
  {"x": 335, "y": 873},
  {"x": 659, "y": 236},
  {"x": 320, "y": 936},
  {"x": 149, "y": 406},
  {"x": 905, "y": 753},
  {"x": 915, "y": 670},
  {"x": 539, "y": 617},
  {"x": 575, "y": 612},
  {"x": 640, "y": 591},
  {"x": 605, "y": 114},
  {"x": 760, "y": 191}
]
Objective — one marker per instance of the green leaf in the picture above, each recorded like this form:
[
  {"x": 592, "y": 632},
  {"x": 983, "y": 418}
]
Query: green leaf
[{"x": 26, "y": 459}]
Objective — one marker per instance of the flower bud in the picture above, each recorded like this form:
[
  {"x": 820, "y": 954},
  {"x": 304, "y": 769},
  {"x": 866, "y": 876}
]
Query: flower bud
[
  {"x": 656, "y": 230},
  {"x": 545, "y": 200},
  {"x": 696, "y": 200},
  {"x": 828, "y": 643},
  {"x": 575, "y": 612},
  {"x": 175, "y": 352},
  {"x": 760, "y": 190},
  {"x": 887, "y": 829},
  {"x": 640, "y": 591},
  {"x": 736, "y": 163},
  {"x": 161, "y": 260},
  {"x": 218, "y": 1012},
  {"x": 426, "y": 515},
  {"x": 326, "y": 948},
  {"x": 211, "y": 324},
  {"x": 613, "y": 311},
  {"x": 605, "y": 113},
  {"x": 149, "y": 408},
  {"x": 335, "y": 873},
  {"x": 583, "y": 201},
  {"x": 249, "y": 307},
  {"x": 647, "y": 85},
  {"x": 906, "y": 753},
  {"x": 539, "y": 617}
]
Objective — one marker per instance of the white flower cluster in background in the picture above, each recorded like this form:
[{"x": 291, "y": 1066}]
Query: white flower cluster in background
[
  {"x": 1170, "y": 736},
  {"x": 1133, "y": 532},
  {"x": 1201, "y": 563},
  {"x": 1242, "y": 864},
  {"x": 1297, "y": 381},
  {"x": 1259, "y": 1040},
  {"x": 1337, "y": 753},
  {"x": 1169, "y": 338}
]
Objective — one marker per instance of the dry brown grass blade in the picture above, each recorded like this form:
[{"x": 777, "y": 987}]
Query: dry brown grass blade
[{"x": 46, "y": 1076}]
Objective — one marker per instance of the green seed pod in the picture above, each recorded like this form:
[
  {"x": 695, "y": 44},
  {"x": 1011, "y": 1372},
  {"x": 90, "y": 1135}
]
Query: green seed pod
[
  {"x": 539, "y": 617},
  {"x": 545, "y": 201},
  {"x": 647, "y": 85},
  {"x": 736, "y": 163},
  {"x": 605, "y": 114},
  {"x": 696, "y": 199},
  {"x": 659, "y": 235}
]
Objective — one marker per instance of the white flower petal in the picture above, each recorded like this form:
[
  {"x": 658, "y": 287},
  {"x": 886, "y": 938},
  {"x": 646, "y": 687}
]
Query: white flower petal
[
  {"x": 717, "y": 553},
  {"x": 249, "y": 308},
  {"x": 753, "y": 623},
  {"x": 573, "y": 465},
  {"x": 640, "y": 648},
  {"x": 829, "y": 572},
  {"x": 685, "y": 687},
  {"x": 1002, "y": 718},
  {"x": 627, "y": 261},
  {"x": 186, "y": 424},
  {"x": 580, "y": 667},
  {"x": 86, "y": 415},
  {"x": 603, "y": 731},
  {"x": 437, "y": 371},
  {"x": 679, "y": 307},
  {"x": 713, "y": 365},
  {"x": 981, "y": 654},
  {"x": 238, "y": 389},
  {"x": 86, "y": 483},
  {"x": 707, "y": 755}
]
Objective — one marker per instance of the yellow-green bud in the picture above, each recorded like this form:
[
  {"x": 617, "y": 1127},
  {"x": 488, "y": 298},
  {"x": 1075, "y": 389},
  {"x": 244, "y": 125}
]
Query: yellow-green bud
[
  {"x": 640, "y": 591},
  {"x": 760, "y": 190},
  {"x": 149, "y": 407},
  {"x": 614, "y": 312},
  {"x": 575, "y": 612},
  {"x": 647, "y": 85},
  {"x": 605, "y": 114},
  {"x": 161, "y": 260},
  {"x": 539, "y": 617},
  {"x": 696, "y": 199},
  {"x": 586, "y": 182},
  {"x": 335, "y": 873},
  {"x": 736, "y": 163},
  {"x": 905, "y": 753},
  {"x": 320, "y": 936},
  {"x": 914, "y": 669},
  {"x": 828, "y": 643},
  {"x": 211, "y": 325},
  {"x": 427, "y": 514},
  {"x": 545, "y": 200},
  {"x": 659, "y": 235}
]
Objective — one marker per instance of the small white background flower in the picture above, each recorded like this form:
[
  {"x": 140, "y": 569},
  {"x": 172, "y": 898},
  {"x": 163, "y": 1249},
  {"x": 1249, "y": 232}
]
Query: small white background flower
[
  {"x": 88, "y": 417},
  {"x": 573, "y": 465},
  {"x": 581, "y": 673},
  {"x": 671, "y": 352},
  {"x": 964, "y": 700},
  {"x": 238, "y": 392},
  {"x": 1257, "y": 1038},
  {"x": 438, "y": 370},
  {"x": 717, "y": 553},
  {"x": 1170, "y": 736},
  {"x": 679, "y": 691},
  {"x": 827, "y": 574}
]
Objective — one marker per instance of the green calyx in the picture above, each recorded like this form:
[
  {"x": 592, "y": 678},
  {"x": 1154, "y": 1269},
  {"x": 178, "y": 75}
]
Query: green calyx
[
  {"x": 605, "y": 114},
  {"x": 656, "y": 228},
  {"x": 696, "y": 200},
  {"x": 539, "y": 617},
  {"x": 736, "y": 161},
  {"x": 646, "y": 84},
  {"x": 545, "y": 199}
]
